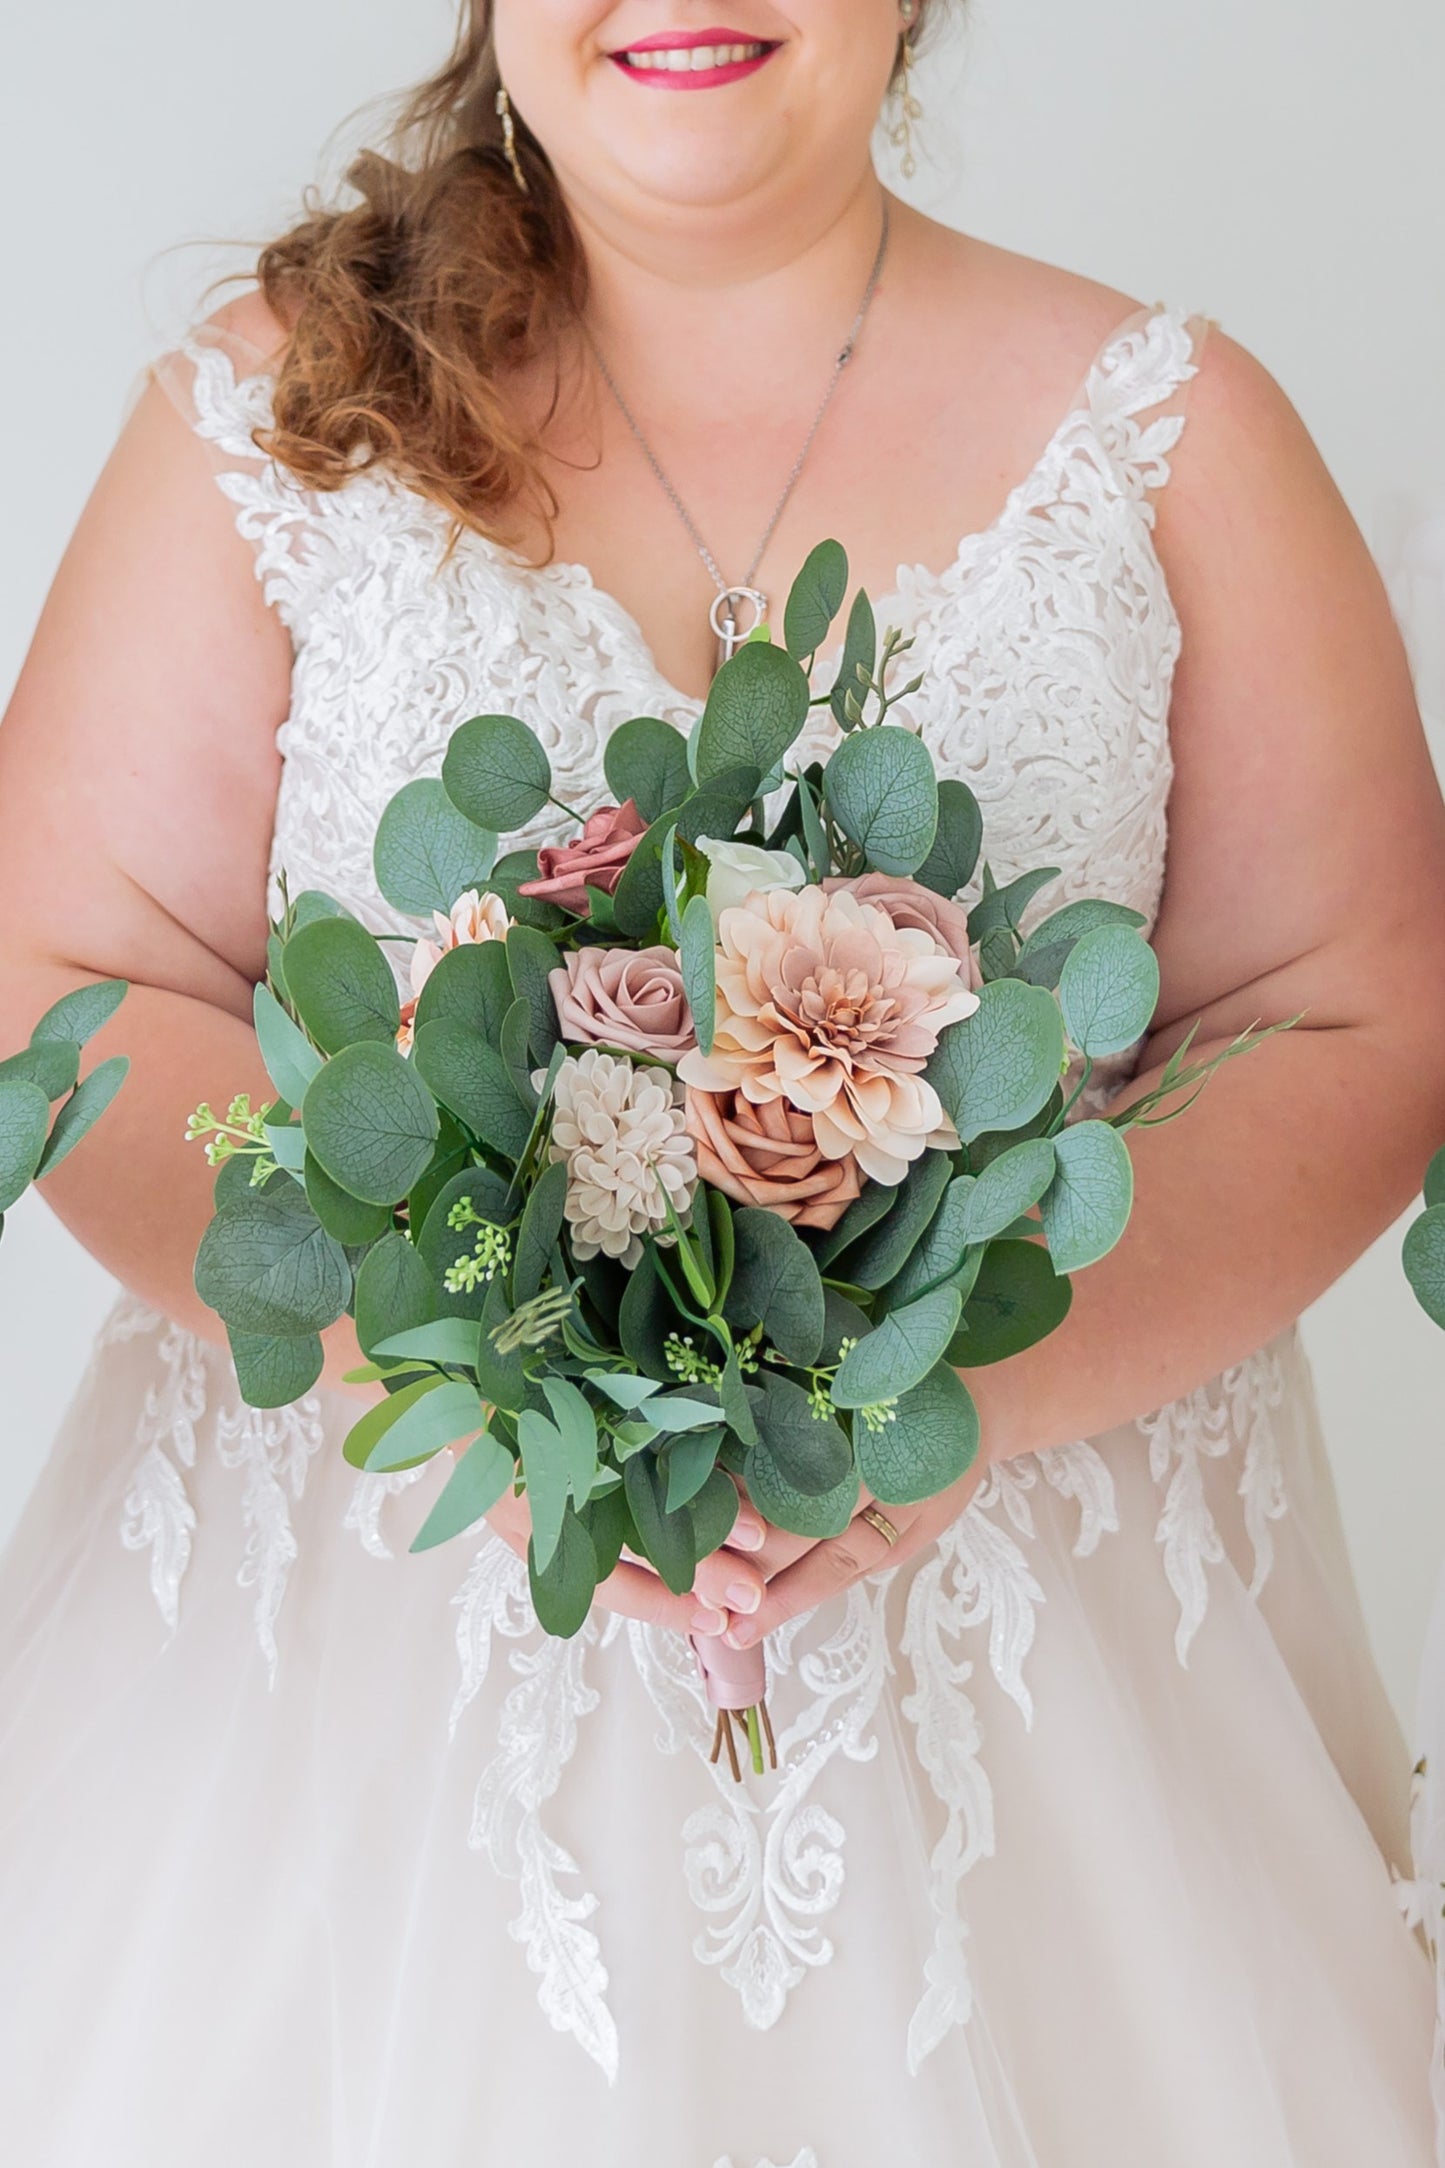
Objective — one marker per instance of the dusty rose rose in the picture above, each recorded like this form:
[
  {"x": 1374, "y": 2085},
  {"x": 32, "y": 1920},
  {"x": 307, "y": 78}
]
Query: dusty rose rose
[
  {"x": 823, "y": 1002},
  {"x": 624, "y": 997},
  {"x": 909, "y": 903},
  {"x": 565, "y": 871},
  {"x": 473, "y": 918},
  {"x": 769, "y": 1155}
]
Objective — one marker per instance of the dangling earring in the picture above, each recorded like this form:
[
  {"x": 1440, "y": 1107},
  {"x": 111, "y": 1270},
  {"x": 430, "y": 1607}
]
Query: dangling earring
[
  {"x": 509, "y": 138},
  {"x": 909, "y": 109}
]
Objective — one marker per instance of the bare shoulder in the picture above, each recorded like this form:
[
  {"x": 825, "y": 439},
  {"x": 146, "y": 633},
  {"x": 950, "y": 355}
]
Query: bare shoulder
[
  {"x": 1043, "y": 320},
  {"x": 249, "y": 324}
]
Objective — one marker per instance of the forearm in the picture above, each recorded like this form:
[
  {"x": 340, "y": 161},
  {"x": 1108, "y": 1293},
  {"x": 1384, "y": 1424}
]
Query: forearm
[{"x": 1293, "y": 1160}]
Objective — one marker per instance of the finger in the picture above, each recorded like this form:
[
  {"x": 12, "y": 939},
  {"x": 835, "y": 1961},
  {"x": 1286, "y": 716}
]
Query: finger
[
  {"x": 825, "y": 1570},
  {"x": 638, "y": 1594},
  {"x": 729, "y": 1582}
]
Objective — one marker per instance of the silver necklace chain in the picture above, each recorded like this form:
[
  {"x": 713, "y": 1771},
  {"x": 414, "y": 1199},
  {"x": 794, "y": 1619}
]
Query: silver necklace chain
[{"x": 724, "y": 614}]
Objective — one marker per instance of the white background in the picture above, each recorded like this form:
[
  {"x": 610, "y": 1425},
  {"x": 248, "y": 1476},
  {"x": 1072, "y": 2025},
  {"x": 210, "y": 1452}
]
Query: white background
[{"x": 1276, "y": 163}]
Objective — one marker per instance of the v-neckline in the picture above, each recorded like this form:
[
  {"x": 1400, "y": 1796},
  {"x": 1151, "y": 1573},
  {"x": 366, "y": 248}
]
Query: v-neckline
[{"x": 911, "y": 581}]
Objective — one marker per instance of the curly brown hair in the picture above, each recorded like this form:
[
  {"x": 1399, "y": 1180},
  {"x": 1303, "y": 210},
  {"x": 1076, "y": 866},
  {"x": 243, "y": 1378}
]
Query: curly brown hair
[{"x": 406, "y": 307}]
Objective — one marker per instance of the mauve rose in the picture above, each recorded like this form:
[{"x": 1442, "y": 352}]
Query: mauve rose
[
  {"x": 768, "y": 1155},
  {"x": 912, "y": 906},
  {"x": 565, "y": 871},
  {"x": 624, "y": 997}
]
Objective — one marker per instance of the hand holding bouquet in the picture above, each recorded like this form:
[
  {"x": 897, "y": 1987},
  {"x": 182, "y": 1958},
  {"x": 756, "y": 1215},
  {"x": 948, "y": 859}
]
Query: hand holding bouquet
[{"x": 709, "y": 1147}]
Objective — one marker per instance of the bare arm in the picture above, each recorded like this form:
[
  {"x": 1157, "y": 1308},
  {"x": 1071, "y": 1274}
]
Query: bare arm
[
  {"x": 138, "y": 777},
  {"x": 1306, "y": 871}
]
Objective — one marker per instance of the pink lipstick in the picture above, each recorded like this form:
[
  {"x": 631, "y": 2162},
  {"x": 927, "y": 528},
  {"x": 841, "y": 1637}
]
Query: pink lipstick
[{"x": 693, "y": 59}]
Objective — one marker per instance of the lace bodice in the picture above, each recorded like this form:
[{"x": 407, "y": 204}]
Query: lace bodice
[
  {"x": 1049, "y": 642},
  {"x": 1049, "y": 646}
]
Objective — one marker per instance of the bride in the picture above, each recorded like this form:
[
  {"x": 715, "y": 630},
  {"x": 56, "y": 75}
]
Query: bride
[{"x": 1085, "y": 1845}]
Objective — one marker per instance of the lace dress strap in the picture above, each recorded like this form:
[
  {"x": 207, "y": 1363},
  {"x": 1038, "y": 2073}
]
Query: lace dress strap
[
  {"x": 1137, "y": 393},
  {"x": 224, "y": 387}
]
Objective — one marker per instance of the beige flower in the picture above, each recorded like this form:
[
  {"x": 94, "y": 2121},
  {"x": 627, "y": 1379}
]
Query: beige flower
[
  {"x": 909, "y": 903},
  {"x": 473, "y": 918},
  {"x": 769, "y": 1155},
  {"x": 624, "y": 1137},
  {"x": 624, "y": 997},
  {"x": 824, "y": 1002}
]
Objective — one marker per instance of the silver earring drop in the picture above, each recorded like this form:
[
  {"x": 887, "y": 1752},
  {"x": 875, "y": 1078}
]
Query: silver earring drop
[
  {"x": 509, "y": 138},
  {"x": 909, "y": 109}
]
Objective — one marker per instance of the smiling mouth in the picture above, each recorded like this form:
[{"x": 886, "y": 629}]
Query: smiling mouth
[{"x": 682, "y": 62}]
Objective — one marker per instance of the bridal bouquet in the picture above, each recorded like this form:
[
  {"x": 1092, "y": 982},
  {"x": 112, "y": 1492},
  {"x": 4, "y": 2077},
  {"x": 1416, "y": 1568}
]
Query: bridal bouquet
[{"x": 709, "y": 1147}]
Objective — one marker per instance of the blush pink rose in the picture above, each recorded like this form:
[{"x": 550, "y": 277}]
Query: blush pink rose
[
  {"x": 769, "y": 1155},
  {"x": 912, "y": 906},
  {"x": 565, "y": 871},
  {"x": 624, "y": 997}
]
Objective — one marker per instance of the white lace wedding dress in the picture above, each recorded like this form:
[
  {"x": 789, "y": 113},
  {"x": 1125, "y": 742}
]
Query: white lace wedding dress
[{"x": 1086, "y": 1843}]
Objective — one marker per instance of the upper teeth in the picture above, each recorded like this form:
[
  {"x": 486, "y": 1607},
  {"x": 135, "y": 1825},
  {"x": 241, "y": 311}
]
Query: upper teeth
[{"x": 682, "y": 59}]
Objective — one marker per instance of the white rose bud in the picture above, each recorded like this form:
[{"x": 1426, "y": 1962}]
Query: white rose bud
[{"x": 739, "y": 870}]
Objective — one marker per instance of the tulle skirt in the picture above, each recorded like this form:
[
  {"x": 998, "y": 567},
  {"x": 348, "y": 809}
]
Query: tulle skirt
[{"x": 1089, "y": 1846}]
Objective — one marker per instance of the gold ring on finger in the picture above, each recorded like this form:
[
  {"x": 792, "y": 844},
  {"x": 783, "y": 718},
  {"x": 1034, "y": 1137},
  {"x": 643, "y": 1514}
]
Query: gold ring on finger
[{"x": 881, "y": 1522}]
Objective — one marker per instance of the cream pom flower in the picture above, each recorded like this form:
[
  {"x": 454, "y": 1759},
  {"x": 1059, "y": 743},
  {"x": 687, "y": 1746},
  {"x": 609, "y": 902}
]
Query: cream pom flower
[
  {"x": 824, "y": 1002},
  {"x": 623, "y": 1133},
  {"x": 472, "y": 918}
]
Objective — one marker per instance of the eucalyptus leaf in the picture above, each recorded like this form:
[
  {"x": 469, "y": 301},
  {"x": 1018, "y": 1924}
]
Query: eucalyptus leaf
[
  {"x": 951, "y": 863},
  {"x": 371, "y": 1122},
  {"x": 713, "y": 1513},
  {"x": 815, "y": 599},
  {"x": 516, "y": 1029},
  {"x": 442, "y": 1246},
  {"x": 1109, "y": 990},
  {"x": 273, "y": 1372},
  {"x": 1017, "y": 1300},
  {"x": 688, "y": 1464},
  {"x": 733, "y": 1394},
  {"x": 668, "y": 1539},
  {"x": 1062, "y": 928},
  {"x": 1424, "y": 1261},
  {"x": 266, "y": 1265},
  {"x": 796, "y": 1512},
  {"x": 646, "y": 760},
  {"x": 860, "y": 651},
  {"x": 341, "y": 984},
  {"x": 562, "y": 1594},
  {"x": 1435, "y": 1180},
  {"x": 496, "y": 772},
  {"x": 501, "y": 1379},
  {"x": 943, "y": 1254},
  {"x": 79, "y": 1113},
  {"x": 471, "y": 986},
  {"x": 881, "y": 1253},
  {"x": 810, "y": 1452},
  {"x": 996, "y": 1069},
  {"x": 352, "y": 1222},
  {"x": 698, "y": 958},
  {"x": 448, "y": 1340},
  {"x": 776, "y": 1284},
  {"x": 872, "y": 1204},
  {"x": 77, "y": 1017},
  {"x": 929, "y": 1445},
  {"x": 470, "y": 1076},
  {"x": 882, "y": 791},
  {"x": 713, "y": 810},
  {"x": 291, "y": 1060},
  {"x": 436, "y": 1421},
  {"x": 366, "y": 1435},
  {"x": 756, "y": 706},
  {"x": 53, "y": 1065},
  {"x": 531, "y": 959},
  {"x": 288, "y": 1149},
  {"x": 1086, "y": 1207},
  {"x": 899, "y": 1351},
  {"x": 1002, "y": 909},
  {"x": 427, "y": 854},
  {"x": 646, "y": 1319},
  {"x": 539, "y": 1232},
  {"x": 483, "y": 1476},
  {"x": 393, "y": 1292},
  {"x": 1007, "y": 1188}
]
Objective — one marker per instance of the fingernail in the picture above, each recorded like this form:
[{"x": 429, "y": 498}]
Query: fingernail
[
  {"x": 707, "y": 1621},
  {"x": 743, "y": 1596},
  {"x": 741, "y": 1636},
  {"x": 747, "y": 1536}
]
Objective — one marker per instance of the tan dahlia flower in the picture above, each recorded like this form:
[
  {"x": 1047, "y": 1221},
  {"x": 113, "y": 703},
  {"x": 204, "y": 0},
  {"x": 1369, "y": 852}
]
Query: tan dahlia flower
[
  {"x": 624, "y": 1137},
  {"x": 824, "y": 1002}
]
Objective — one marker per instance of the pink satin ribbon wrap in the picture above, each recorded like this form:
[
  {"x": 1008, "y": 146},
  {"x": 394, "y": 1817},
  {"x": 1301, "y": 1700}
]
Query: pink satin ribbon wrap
[{"x": 735, "y": 1678}]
